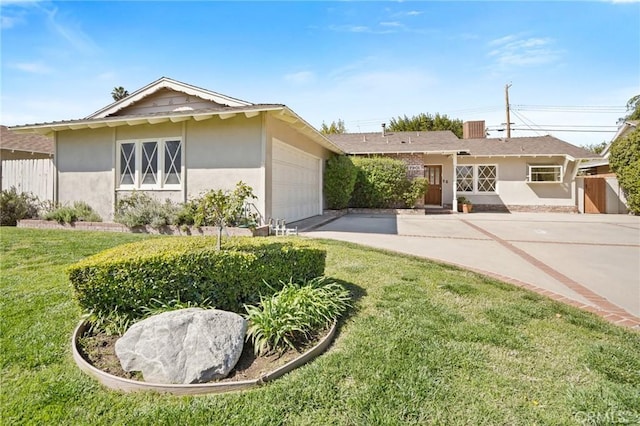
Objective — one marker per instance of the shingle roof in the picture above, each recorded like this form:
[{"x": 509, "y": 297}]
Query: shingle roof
[
  {"x": 25, "y": 142},
  {"x": 446, "y": 141}
]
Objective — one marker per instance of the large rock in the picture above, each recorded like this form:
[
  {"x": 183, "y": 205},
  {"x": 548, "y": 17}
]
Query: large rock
[{"x": 186, "y": 346}]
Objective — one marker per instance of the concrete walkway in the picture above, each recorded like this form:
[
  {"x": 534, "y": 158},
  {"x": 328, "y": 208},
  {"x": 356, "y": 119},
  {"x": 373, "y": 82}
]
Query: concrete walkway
[{"x": 589, "y": 261}]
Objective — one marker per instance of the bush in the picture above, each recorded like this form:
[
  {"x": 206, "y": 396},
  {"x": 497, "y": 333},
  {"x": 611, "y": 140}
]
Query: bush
[
  {"x": 339, "y": 180},
  {"x": 127, "y": 278},
  {"x": 417, "y": 188},
  {"x": 294, "y": 313},
  {"x": 80, "y": 211},
  {"x": 139, "y": 209},
  {"x": 14, "y": 206},
  {"x": 381, "y": 182},
  {"x": 625, "y": 162}
]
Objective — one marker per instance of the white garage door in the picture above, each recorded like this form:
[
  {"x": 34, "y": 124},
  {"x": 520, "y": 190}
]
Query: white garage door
[{"x": 296, "y": 183}]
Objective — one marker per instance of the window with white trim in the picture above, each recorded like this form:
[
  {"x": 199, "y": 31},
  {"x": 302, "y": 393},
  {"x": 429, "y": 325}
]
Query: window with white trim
[
  {"x": 479, "y": 179},
  {"x": 544, "y": 173},
  {"x": 150, "y": 164}
]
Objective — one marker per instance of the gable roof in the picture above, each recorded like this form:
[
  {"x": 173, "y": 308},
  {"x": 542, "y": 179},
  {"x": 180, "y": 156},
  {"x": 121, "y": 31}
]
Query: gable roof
[
  {"x": 167, "y": 83},
  {"x": 13, "y": 141},
  {"x": 444, "y": 142}
]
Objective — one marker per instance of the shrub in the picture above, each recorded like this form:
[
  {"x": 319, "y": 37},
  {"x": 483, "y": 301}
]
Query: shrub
[
  {"x": 80, "y": 211},
  {"x": 339, "y": 180},
  {"x": 417, "y": 188},
  {"x": 139, "y": 209},
  {"x": 127, "y": 278},
  {"x": 381, "y": 182},
  {"x": 293, "y": 313},
  {"x": 15, "y": 206},
  {"x": 625, "y": 162}
]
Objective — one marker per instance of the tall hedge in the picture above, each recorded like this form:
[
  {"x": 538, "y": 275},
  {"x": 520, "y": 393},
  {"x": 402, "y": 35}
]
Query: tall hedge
[
  {"x": 339, "y": 180},
  {"x": 381, "y": 182},
  {"x": 624, "y": 160},
  {"x": 128, "y": 278}
]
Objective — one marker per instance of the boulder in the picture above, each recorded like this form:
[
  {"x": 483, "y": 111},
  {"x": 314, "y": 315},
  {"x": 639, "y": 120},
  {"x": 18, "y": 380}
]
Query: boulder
[{"x": 185, "y": 346}]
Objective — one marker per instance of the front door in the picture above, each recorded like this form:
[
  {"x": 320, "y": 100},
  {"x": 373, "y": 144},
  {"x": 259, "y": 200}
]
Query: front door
[{"x": 434, "y": 193}]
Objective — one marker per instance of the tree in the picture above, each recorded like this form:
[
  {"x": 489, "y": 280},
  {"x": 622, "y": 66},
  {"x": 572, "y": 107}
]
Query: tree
[
  {"x": 633, "y": 108},
  {"x": 624, "y": 160},
  {"x": 333, "y": 129},
  {"x": 119, "y": 93},
  {"x": 219, "y": 208},
  {"x": 426, "y": 122},
  {"x": 596, "y": 148}
]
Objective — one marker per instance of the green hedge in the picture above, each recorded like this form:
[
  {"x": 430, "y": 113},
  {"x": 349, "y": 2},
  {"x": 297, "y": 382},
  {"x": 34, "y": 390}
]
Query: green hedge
[
  {"x": 128, "y": 278},
  {"x": 339, "y": 180},
  {"x": 381, "y": 182}
]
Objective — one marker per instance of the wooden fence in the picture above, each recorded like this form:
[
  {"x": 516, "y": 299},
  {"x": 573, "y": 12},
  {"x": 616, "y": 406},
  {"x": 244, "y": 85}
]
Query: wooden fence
[{"x": 29, "y": 175}]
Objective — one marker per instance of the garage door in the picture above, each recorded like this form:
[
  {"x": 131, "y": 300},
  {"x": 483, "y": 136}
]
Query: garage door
[{"x": 296, "y": 183}]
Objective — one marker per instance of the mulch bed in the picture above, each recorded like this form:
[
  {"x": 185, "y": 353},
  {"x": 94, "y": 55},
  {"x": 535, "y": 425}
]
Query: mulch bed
[{"x": 99, "y": 350}]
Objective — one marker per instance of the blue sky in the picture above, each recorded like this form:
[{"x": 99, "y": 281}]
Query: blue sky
[{"x": 362, "y": 62}]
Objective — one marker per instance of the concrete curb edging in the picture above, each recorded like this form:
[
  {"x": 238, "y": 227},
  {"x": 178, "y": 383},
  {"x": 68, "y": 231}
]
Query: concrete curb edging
[{"x": 128, "y": 385}]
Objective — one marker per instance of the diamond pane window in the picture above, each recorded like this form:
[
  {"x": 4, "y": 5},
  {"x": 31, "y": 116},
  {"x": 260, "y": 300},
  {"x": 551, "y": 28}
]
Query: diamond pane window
[
  {"x": 149, "y": 163},
  {"x": 487, "y": 178},
  {"x": 172, "y": 162},
  {"x": 464, "y": 178},
  {"x": 127, "y": 163}
]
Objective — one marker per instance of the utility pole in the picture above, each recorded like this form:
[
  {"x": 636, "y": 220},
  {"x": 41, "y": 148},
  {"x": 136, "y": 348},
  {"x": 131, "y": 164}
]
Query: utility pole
[{"x": 506, "y": 95}]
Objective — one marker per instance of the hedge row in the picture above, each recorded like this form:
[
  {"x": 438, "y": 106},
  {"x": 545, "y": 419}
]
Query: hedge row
[{"x": 128, "y": 278}]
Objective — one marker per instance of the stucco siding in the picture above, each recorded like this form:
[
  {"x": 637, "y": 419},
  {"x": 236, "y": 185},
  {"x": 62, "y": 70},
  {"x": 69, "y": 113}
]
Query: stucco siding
[
  {"x": 220, "y": 153},
  {"x": 85, "y": 167}
]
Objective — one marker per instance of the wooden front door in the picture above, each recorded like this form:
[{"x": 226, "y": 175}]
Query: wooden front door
[
  {"x": 595, "y": 190},
  {"x": 434, "y": 193}
]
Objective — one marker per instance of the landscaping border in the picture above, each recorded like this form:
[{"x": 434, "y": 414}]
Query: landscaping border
[
  {"x": 261, "y": 231},
  {"x": 128, "y": 385}
]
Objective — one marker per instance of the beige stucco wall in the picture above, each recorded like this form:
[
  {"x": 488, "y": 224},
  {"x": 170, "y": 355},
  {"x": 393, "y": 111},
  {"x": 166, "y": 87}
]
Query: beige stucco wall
[
  {"x": 220, "y": 153},
  {"x": 85, "y": 165}
]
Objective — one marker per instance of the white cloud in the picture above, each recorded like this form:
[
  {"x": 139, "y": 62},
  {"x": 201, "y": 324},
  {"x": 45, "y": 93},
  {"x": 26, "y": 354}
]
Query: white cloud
[
  {"x": 515, "y": 51},
  {"x": 71, "y": 32},
  {"x": 32, "y": 67},
  {"x": 7, "y": 22},
  {"x": 302, "y": 77},
  {"x": 391, "y": 24}
]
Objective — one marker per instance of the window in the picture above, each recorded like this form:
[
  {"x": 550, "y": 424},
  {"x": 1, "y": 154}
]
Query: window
[
  {"x": 150, "y": 164},
  {"x": 476, "y": 178},
  {"x": 544, "y": 173}
]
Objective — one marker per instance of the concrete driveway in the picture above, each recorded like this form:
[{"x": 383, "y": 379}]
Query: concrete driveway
[{"x": 591, "y": 261}]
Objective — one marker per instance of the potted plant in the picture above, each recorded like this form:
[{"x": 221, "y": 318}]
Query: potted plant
[{"x": 464, "y": 205}]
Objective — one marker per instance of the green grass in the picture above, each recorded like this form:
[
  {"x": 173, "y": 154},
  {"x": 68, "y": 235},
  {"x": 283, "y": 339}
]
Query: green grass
[{"x": 424, "y": 344}]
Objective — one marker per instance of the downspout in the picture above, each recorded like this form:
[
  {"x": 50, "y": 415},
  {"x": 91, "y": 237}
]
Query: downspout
[
  {"x": 183, "y": 166},
  {"x": 114, "y": 144},
  {"x": 454, "y": 203},
  {"x": 55, "y": 168}
]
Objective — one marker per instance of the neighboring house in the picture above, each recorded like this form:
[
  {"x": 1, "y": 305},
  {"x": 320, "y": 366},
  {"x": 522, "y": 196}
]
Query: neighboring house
[
  {"x": 598, "y": 188},
  {"x": 515, "y": 174},
  {"x": 176, "y": 141},
  {"x": 26, "y": 163}
]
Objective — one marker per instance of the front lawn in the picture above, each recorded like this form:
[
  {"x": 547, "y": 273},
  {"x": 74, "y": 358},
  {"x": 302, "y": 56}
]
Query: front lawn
[{"x": 425, "y": 344}]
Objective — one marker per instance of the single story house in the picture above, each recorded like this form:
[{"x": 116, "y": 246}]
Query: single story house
[
  {"x": 495, "y": 174},
  {"x": 26, "y": 163},
  {"x": 175, "y": 141}
]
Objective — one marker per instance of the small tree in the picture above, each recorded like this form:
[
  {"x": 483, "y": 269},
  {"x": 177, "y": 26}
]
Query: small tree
[
  {"x": 220, "y": 208},
  {"x": 624, "y": 160},
  {"x": 339, "y": 180}
]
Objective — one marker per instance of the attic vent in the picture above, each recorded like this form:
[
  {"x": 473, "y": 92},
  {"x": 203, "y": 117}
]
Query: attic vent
[{"x": 183, "y": 108}]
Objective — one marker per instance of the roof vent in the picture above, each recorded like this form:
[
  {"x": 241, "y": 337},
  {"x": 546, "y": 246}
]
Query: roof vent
[{"x": 384, "y": 128}]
